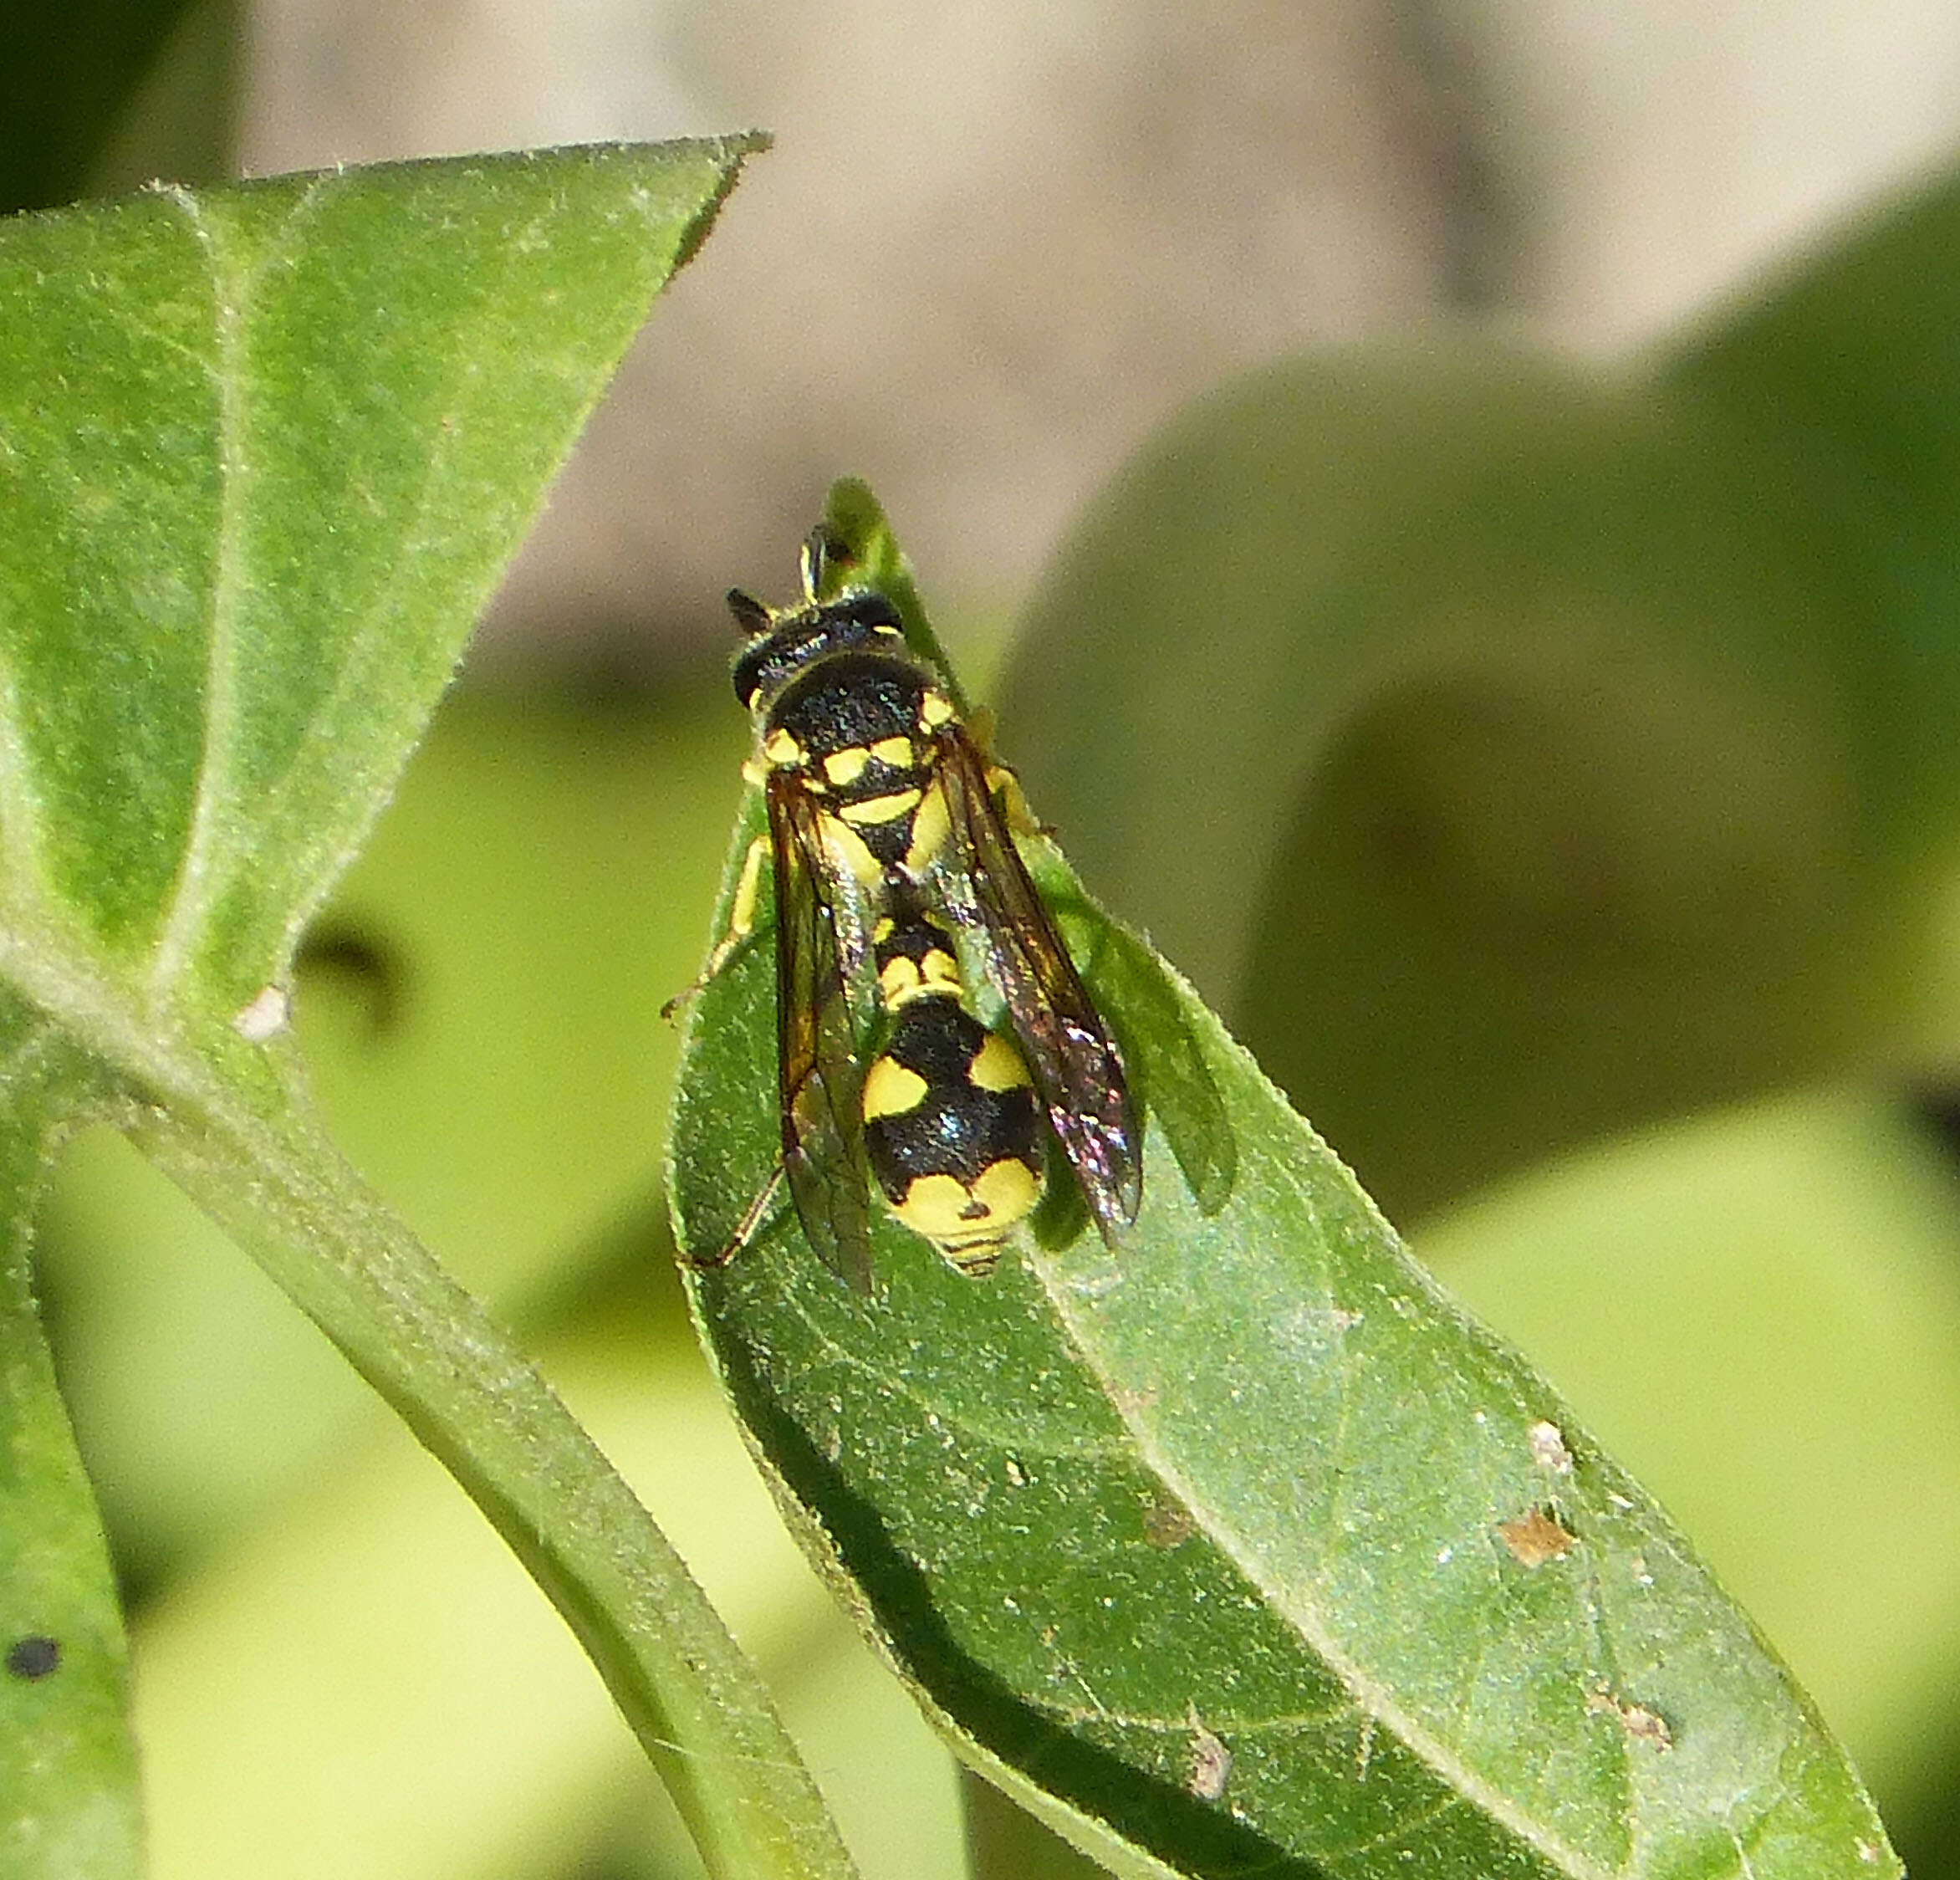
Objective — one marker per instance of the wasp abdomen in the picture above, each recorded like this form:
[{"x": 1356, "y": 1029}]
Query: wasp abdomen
[{"x": 951, "y": 1127}]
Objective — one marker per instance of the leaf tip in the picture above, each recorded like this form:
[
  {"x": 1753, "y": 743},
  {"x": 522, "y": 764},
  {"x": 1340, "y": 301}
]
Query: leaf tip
[{"x": 729, "y": 154}]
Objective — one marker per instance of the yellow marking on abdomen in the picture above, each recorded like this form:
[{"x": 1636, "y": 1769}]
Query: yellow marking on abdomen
[
  {"x": 890, "y": 1090},
  {"x": 904, "y": 980},
  {"x": 930, "y": 829},
  {"x": 954, "y": 1217},
  {"x": 997, "y": 1066}
]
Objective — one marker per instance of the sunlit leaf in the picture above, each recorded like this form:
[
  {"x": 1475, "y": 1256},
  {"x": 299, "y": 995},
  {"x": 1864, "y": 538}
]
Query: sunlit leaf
[
  {"x": 264, "y": 451},
  {"x": 1242, "y": 1545}
]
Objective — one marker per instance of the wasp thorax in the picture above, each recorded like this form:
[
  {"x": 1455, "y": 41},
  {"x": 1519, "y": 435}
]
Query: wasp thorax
[{"x": 781, "y": 644}]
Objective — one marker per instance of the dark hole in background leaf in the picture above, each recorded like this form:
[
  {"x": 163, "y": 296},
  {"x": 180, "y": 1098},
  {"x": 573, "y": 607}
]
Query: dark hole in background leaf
[
  {"x": 33, "y": 1657},
  {"x": 1936, "y": 1108},
  {"x": 368, "y": 967}
]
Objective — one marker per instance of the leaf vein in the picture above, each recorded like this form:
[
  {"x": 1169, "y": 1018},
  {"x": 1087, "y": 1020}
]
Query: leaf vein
[
  {"x": 893, "y": 1384},
  {"x": 200, "y": 875},
  {"x": 1181, "y": 1726},
  {"x": 191, "y": 897},
  {"x": 1397, "y": 1829},
  {"x": 1291, "y": 1603},
  {"x": 21, "y": 865}
]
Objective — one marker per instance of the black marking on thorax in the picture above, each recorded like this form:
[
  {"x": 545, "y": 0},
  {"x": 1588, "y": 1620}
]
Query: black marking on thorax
[{"x": 851, "y": 700}]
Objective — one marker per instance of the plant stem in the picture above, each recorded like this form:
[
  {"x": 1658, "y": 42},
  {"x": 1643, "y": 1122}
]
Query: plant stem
[{"x": 697, "y": 1703}]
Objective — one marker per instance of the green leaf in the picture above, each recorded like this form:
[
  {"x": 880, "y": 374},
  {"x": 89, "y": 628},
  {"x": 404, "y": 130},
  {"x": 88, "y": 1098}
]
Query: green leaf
[
  {"x": 264, "y": 451},
  {"x": 69, "y": 1808},
  {"x": 865, "y": 553},
  {"x": 1847, "y": 360},
  {"x": 270, "y": 449},
  {"x": 1243, "y": 1546}
]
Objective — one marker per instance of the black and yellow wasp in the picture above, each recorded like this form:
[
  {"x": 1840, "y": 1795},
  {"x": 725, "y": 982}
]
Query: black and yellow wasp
[{"x": 903, "y": 909}]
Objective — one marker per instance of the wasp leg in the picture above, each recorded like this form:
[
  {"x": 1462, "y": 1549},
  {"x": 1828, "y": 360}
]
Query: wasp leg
[
  {"x": 1005, "y": 788},
  {"x": 741, "y": 924},
  {"x": 1002, "y": 783},
  {"x": 752, "y": 1220}
]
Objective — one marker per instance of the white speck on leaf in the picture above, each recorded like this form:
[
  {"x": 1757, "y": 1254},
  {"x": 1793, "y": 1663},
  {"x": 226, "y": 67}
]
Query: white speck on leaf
[
  {"x": 1547, "y": 1449},
  {"x": 265, "y": 1016},
  {"x": 1315, "y": 1331}
]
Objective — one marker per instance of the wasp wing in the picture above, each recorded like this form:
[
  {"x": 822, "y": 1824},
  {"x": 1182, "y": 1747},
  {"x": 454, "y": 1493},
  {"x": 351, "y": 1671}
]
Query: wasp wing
[
  {"x": 1077, "y": 1070},
  {"x": 820, "y": 1080}
]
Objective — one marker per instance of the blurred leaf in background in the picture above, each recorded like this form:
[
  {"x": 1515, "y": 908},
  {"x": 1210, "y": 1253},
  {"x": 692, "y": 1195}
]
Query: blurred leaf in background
[
  {"x": 102, "y": 95},
  {"x": 1588, "y": 745}
]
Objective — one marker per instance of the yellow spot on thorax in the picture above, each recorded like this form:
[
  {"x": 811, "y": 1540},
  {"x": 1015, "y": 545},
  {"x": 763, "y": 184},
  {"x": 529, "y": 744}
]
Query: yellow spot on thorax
[
  {"x": 935, "y": 709},
  {"x": 847, "y": 766},
  {"x": 852, "y": 855},
  {"x": 880, "y": 809},
  {"x": 781, "y": 749}
]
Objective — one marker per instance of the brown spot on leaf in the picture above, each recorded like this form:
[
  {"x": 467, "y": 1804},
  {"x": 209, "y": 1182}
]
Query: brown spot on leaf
[
  {"x": 1643, "y": 1724},
  {"x": 1167, "y": 1524},
  {"x": 1210, "y": 1763},
  {"x": 1537, "y": 1538}
]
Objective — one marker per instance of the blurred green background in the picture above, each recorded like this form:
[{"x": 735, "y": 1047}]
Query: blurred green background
[{"x": 1547, "y": 765}]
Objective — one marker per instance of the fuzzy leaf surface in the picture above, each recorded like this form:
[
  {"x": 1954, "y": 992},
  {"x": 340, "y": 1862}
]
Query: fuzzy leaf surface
[{"x": 264, "y": 451}]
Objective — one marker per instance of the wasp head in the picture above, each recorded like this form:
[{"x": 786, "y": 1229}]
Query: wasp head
[{"x": 781, "y": 644}]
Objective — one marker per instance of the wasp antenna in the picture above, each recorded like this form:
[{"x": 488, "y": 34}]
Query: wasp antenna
[{"x": 750, "y": 614}]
